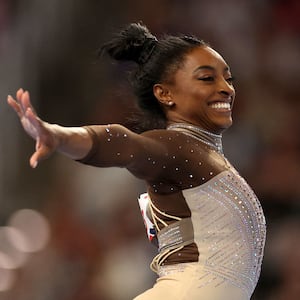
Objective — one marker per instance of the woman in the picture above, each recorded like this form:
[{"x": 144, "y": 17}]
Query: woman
[{"x": 208, "y": 223}]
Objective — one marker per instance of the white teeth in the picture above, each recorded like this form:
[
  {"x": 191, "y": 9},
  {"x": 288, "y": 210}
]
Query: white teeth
[{"x": 221, "y": 105}]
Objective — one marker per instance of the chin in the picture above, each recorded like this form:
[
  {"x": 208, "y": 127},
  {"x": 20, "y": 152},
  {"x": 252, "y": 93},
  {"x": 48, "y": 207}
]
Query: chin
[{"x": 222, "y": 126}]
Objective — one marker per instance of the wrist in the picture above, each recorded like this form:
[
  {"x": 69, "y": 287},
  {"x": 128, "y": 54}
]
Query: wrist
[{"x": 74, "y": 142}]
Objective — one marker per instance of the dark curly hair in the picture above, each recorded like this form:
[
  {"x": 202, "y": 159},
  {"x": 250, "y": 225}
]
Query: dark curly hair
[{"x": 156, "y": 60}]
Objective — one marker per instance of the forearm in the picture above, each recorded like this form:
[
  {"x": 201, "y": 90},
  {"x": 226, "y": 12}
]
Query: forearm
[{"x": 73, "y": 142}]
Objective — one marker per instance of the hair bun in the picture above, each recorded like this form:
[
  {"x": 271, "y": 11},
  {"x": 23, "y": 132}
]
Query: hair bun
[{"x": 134, "y": 43}]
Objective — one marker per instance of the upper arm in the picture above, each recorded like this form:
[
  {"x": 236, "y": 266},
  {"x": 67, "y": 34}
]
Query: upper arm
[
  {"x": 116, "y": 146},
  {"x": 164, "y": 158}
]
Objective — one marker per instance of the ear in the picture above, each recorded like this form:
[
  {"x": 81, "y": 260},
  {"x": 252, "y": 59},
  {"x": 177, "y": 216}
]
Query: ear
[{"x": 163, "y": 94}]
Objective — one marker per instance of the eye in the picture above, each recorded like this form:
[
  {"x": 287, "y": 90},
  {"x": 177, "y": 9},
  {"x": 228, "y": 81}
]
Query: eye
[
  {"x": 207, "y": 78},
  {"x": 230, "y": 80}
]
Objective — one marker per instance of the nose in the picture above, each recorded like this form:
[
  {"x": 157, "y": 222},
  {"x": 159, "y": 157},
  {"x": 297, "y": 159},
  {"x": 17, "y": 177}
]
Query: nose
[{"x": 226, "y": 88}]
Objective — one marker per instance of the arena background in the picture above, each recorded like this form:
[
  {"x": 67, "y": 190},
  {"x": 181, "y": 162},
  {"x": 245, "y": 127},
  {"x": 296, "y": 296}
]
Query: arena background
[{"x": 73, "y": 232}]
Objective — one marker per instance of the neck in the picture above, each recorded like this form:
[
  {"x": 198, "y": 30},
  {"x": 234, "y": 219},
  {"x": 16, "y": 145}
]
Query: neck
[{"x": 213, "y": 140}]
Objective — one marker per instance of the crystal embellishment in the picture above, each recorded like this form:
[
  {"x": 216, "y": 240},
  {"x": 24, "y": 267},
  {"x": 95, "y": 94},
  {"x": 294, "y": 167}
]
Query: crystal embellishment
[{"x": 229, "y": 230}]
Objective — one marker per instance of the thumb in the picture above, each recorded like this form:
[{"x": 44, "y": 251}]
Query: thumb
[
  {"x": 33, "y": 161},
  {"x": 41, "y": 153}
]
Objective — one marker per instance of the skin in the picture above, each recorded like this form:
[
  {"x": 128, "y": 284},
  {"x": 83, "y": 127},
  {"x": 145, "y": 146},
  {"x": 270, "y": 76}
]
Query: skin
[
  {"x": 74, "y": 142},
  {"x": 204, "y": 79}
]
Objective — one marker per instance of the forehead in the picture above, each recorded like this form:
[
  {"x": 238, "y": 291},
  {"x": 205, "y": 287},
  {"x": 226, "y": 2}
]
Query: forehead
[{"x": 204, "y": 56}]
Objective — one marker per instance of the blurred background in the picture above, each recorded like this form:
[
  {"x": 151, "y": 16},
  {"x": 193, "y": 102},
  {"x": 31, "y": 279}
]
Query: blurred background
[{"x": 74, "y": 232}]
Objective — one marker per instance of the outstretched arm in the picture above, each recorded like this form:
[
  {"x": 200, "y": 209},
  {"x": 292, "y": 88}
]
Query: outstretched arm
[
  {"x": 97, "y": 145},
  {"x": 74, "y": 142}
]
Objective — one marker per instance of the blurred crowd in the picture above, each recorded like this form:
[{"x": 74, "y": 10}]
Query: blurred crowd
[{"x": 97, "y": 248}]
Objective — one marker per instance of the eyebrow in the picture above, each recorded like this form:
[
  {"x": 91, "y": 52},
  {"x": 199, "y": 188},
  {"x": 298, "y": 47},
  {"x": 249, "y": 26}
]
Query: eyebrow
[{"x": 210, "y": 68}]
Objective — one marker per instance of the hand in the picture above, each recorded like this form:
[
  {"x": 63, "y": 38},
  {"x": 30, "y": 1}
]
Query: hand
[{"x": 43, "y": 132}]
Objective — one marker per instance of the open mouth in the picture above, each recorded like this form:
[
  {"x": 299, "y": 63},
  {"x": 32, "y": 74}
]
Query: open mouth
[{"x": 221, "y": 105}]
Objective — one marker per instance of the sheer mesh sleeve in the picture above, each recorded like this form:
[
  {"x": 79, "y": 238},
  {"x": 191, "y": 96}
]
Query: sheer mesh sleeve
[
  {"x": 95, "y": 145},
  {"x": 169, "y": 161}
]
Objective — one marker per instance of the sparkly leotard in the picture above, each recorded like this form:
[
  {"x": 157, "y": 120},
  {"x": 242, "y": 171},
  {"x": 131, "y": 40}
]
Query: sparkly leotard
[{"x": 203, "y": 211}]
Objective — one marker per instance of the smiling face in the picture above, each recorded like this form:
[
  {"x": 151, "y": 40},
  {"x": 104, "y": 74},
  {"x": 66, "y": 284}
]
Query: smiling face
[{"x": 201, "y": 92}]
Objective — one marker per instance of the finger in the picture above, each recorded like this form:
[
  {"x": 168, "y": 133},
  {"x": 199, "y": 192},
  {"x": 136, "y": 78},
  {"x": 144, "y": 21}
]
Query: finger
[
  {"x": 32, "y": 124},
  {"x": 38, "y": 144},
  {"x": 35, "y": 121},
  {"x": 19, "y": 93},
  {"x": 24, "y": 101},
  {"x": 26, "y": 98},
  {"x": 33, "y": 162},
  {"x": 12, "y": 103},
  {"x": 34, "y": 159},
  {"x": 39, "y": 155}
]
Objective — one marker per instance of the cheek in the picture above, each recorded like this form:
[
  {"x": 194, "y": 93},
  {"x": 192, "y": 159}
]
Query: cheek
[
  {"x": 201, "y": 95},
  {"x": 190, "y": 95}
]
